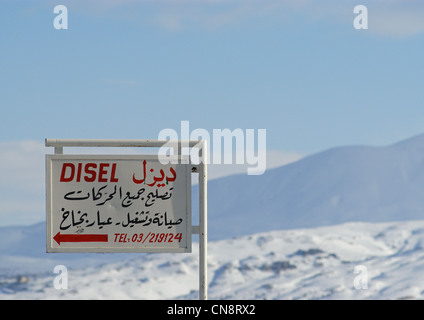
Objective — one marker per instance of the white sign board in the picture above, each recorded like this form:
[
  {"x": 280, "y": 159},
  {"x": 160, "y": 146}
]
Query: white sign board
[{"x": 116, "y": 203}]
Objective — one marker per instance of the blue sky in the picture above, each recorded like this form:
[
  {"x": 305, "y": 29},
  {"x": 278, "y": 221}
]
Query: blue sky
[{"x": 128, "y": 69}]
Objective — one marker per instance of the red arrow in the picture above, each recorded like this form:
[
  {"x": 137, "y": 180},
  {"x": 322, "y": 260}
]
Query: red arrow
[{"x": 80, "y": 238}]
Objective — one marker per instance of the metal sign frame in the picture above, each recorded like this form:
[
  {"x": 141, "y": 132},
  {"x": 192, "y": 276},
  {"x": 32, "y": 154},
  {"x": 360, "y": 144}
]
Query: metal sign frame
[
  {"x": 200, "y": 168},
  {"x": 183, "y": 201}
]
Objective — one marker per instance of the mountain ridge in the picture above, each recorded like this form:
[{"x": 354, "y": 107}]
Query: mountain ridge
[
  {"x": 342, "y": 184},
  {"x": 296, "y": 232}
]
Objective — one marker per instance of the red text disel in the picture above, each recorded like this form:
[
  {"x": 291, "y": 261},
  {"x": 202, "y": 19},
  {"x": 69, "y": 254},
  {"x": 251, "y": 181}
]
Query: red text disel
[{"x": 89, "y": 172}]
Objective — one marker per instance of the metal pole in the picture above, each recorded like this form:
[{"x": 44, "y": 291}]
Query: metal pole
[
  {"x": 203, "y": 218},
  {"x": 117, "y": 143}
]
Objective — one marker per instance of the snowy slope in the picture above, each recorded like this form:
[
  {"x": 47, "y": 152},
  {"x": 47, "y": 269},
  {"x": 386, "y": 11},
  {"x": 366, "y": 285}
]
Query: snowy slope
[
  {"x": 316, "y": 263},
  {"x": 369, "y": 184},
  {"x": 362, "y": 184}
]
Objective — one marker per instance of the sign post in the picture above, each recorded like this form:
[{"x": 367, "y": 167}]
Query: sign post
[{"x": 125, "y": 203}]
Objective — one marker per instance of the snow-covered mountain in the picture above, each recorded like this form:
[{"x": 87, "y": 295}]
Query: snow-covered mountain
[
  {"x": 349, "y": 261},
  {"x": 254, "y": 254},
  {"x": 361, "y": 183}
]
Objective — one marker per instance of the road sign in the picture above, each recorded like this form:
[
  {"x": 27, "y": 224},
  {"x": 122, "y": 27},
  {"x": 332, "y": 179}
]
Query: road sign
[{"x": 118, "y": 203}]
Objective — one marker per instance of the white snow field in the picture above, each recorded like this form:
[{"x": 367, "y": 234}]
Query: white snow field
[{"x": 316, "y": 263}]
